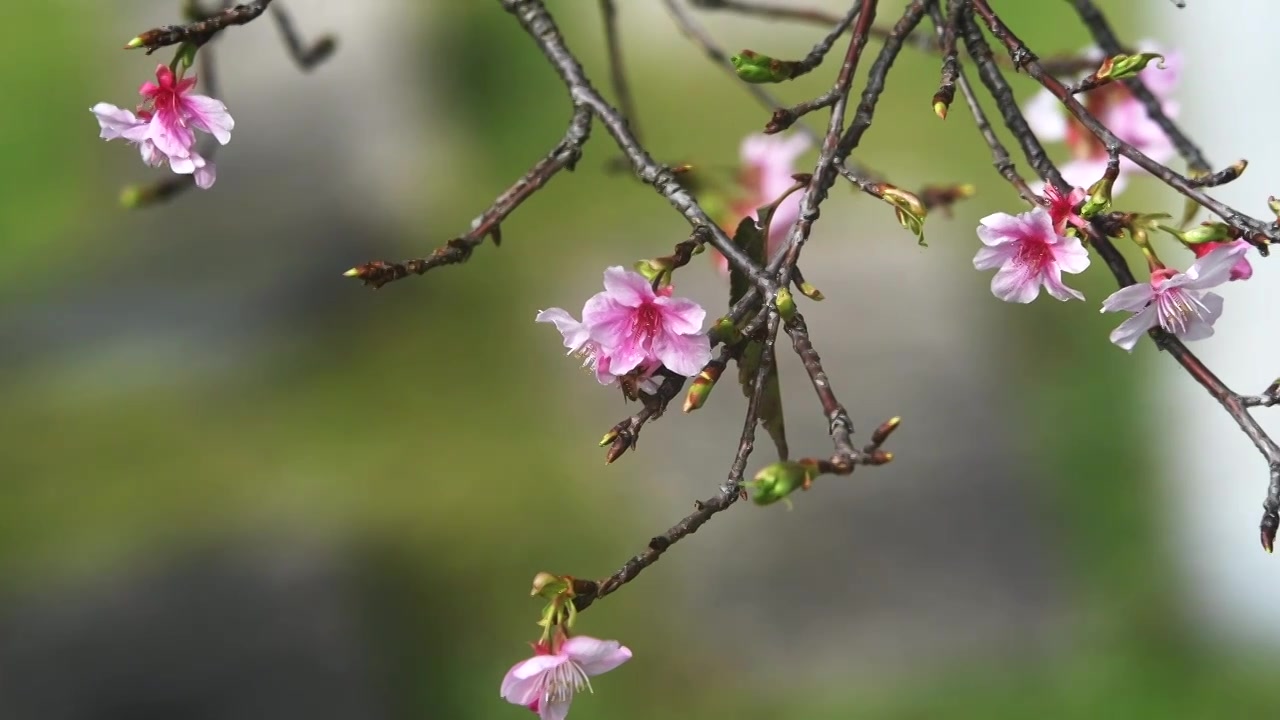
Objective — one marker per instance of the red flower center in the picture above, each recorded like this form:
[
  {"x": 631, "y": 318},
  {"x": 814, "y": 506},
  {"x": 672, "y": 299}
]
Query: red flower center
[
  {"x": 1034, "y": 255},
  {"x": 646, "y": 323}
]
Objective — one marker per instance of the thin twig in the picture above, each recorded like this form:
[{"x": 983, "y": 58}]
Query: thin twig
[
  {"x": 200, "y": 31},
  {"x": 1110, "y": 44},
  {"x": 306, "y": 55},
  {"x": 1257, "y": 232},
  {"x": 587, "y": 592},
  {"x": 563, "y": 156}
]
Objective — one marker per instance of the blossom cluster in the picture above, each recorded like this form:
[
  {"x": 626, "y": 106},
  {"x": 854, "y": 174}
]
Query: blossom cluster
[
  {"x": 163, "y": 125},
  {"x": 632, "y": 330}
]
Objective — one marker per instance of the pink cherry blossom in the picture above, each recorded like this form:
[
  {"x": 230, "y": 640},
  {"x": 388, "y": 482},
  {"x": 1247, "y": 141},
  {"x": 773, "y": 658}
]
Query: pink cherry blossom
[
  {"x": 163, "y": 127},
  {"x": 1029, "y": 252},
  {"x": 629, "y": 329},
  {"x": 1062, "y": 208},
  {"x": 578, "y": 339},
  {"x": 1119, "y": 111},
  {"x": 1175, "y": 301},
  {"x": 633, "y": 325},
  {"x": 547, "y": 682},
  {"x": 768, "y": 162},
  {"x": 1242, "y": 270}
]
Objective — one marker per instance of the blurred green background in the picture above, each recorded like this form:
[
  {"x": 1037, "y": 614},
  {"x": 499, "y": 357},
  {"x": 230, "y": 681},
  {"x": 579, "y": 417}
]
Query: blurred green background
[{"x": 198, "y": 375}]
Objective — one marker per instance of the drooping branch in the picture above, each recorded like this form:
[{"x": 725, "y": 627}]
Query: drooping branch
[
  {"x": 200, "y": 31},
  {"x": 488, "y": 224}
]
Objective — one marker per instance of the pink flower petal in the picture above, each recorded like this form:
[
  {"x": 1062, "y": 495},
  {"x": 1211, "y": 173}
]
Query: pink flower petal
[
  {"x": 681, "y": 315},
  {"x": 993, "y": 257},
  {"x": 206, "y": 175},
  {"x": 1126, "y": 336},
  {"x": 596, "y": 656},
  {"x": 1012, "y": 284},
  {"x": 209, "y": 115},
  {"x": 575, "y": 333},
  {"x": 1200, "y": 327},
  {"x": 1132, "y": 298},
  {"x": 1070, "y": 255},
  {"x": 554, "y": 710},
  {"x": 1000, "y": 228},
  {"x": 682, "y": 354},
  {"x": 626, "y": 287},
  {"x": 1054, "y": 286},
  {"x": 114, "y": 121},
  {"x": 521, "y": 690},
  {"x": 1213, "y": 269}
]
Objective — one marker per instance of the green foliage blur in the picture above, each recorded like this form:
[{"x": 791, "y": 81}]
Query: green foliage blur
[{"x": 416, "y": 425}]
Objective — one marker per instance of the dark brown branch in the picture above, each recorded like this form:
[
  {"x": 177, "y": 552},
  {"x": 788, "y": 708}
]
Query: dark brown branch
[
  {"x": 812, "y": 60},
  {"x": 563, "y": 156},
  {"x": 1257, "y": 232},
  {"x": 947, "y": 30},
  {"x": 626, "y": 434},
  {"x": 840, "y": 426},
  {"x": 838, "y": 95},
  {"x": 1236, "y": 405},
  {"x": 201, "y": 31},
  {"x": 1000, "y": 157},
  {"x": 1002, "y": 93},
  {"x": 306, "y": 55},
  {"x": 1110, "y": 44},
  {"x": 829, "y": 154},
  {"x": 537, "y": 22},
  {"x": 587, "y": 592}
]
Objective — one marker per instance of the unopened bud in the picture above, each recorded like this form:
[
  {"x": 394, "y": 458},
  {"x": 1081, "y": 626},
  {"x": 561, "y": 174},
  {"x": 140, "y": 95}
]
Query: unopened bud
[
  {"x": 886, "y": 429},
  {"x": 1099, "y": 198},
  {"x": 940, "y": 109},
  {"x": 879, "y": 457},
  {"x": 549, "y": 586},
  {"x": 702, "y": 385},
  {"x": 908, "y": 208},
  {"x": 754, "y": 67},
  {"x": 1274, "y": 205},
  {"x": 1206, "y": 232},
  {"x": 785, "y": 303},
  {"x": 608, "y": 437},
  {"x": 653, "y": 270},
  {"x": 777, "y": 481},
  {"x": 1119, "y": 67},
  {"x": 808, "y": 290}
]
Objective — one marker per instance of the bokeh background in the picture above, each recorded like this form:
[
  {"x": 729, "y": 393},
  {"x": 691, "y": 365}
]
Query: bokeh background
[{"x": 235, "y": 485}]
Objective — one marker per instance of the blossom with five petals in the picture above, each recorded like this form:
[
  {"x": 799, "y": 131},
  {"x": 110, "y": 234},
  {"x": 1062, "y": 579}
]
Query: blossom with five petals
[
  {"x": 1030, "y": 252},
  {"x": 1175, "y": 301},
  {"x": 547, "y": 682},
  {"x": 163, "y": 126}
]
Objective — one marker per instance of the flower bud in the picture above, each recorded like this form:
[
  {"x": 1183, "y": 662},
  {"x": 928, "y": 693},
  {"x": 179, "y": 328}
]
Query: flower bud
[
  {"x": 1120, "y": 67},
  {"x": 1099, "y": 198},
  {"x": 775, "y": 482},
  {"x": 785, "y": 303},
  {"x": 754, "y": 67},
  {"x": 808, "y": 290},
  {"x": 702, "y": 385},
  {"x": 549, "y": 586},
  {"x": 1206, "y": 232},
  {"x": 908, "y": 208}
]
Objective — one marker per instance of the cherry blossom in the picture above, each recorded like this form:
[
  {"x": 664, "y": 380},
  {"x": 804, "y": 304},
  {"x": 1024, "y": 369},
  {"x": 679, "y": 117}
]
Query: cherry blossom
[
  {"x": 547, "y": 682},
  {"x": 1175, "y": 301},
  {"x": 1030, "y": 252},
  {"x": 163, "y": 126}
]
